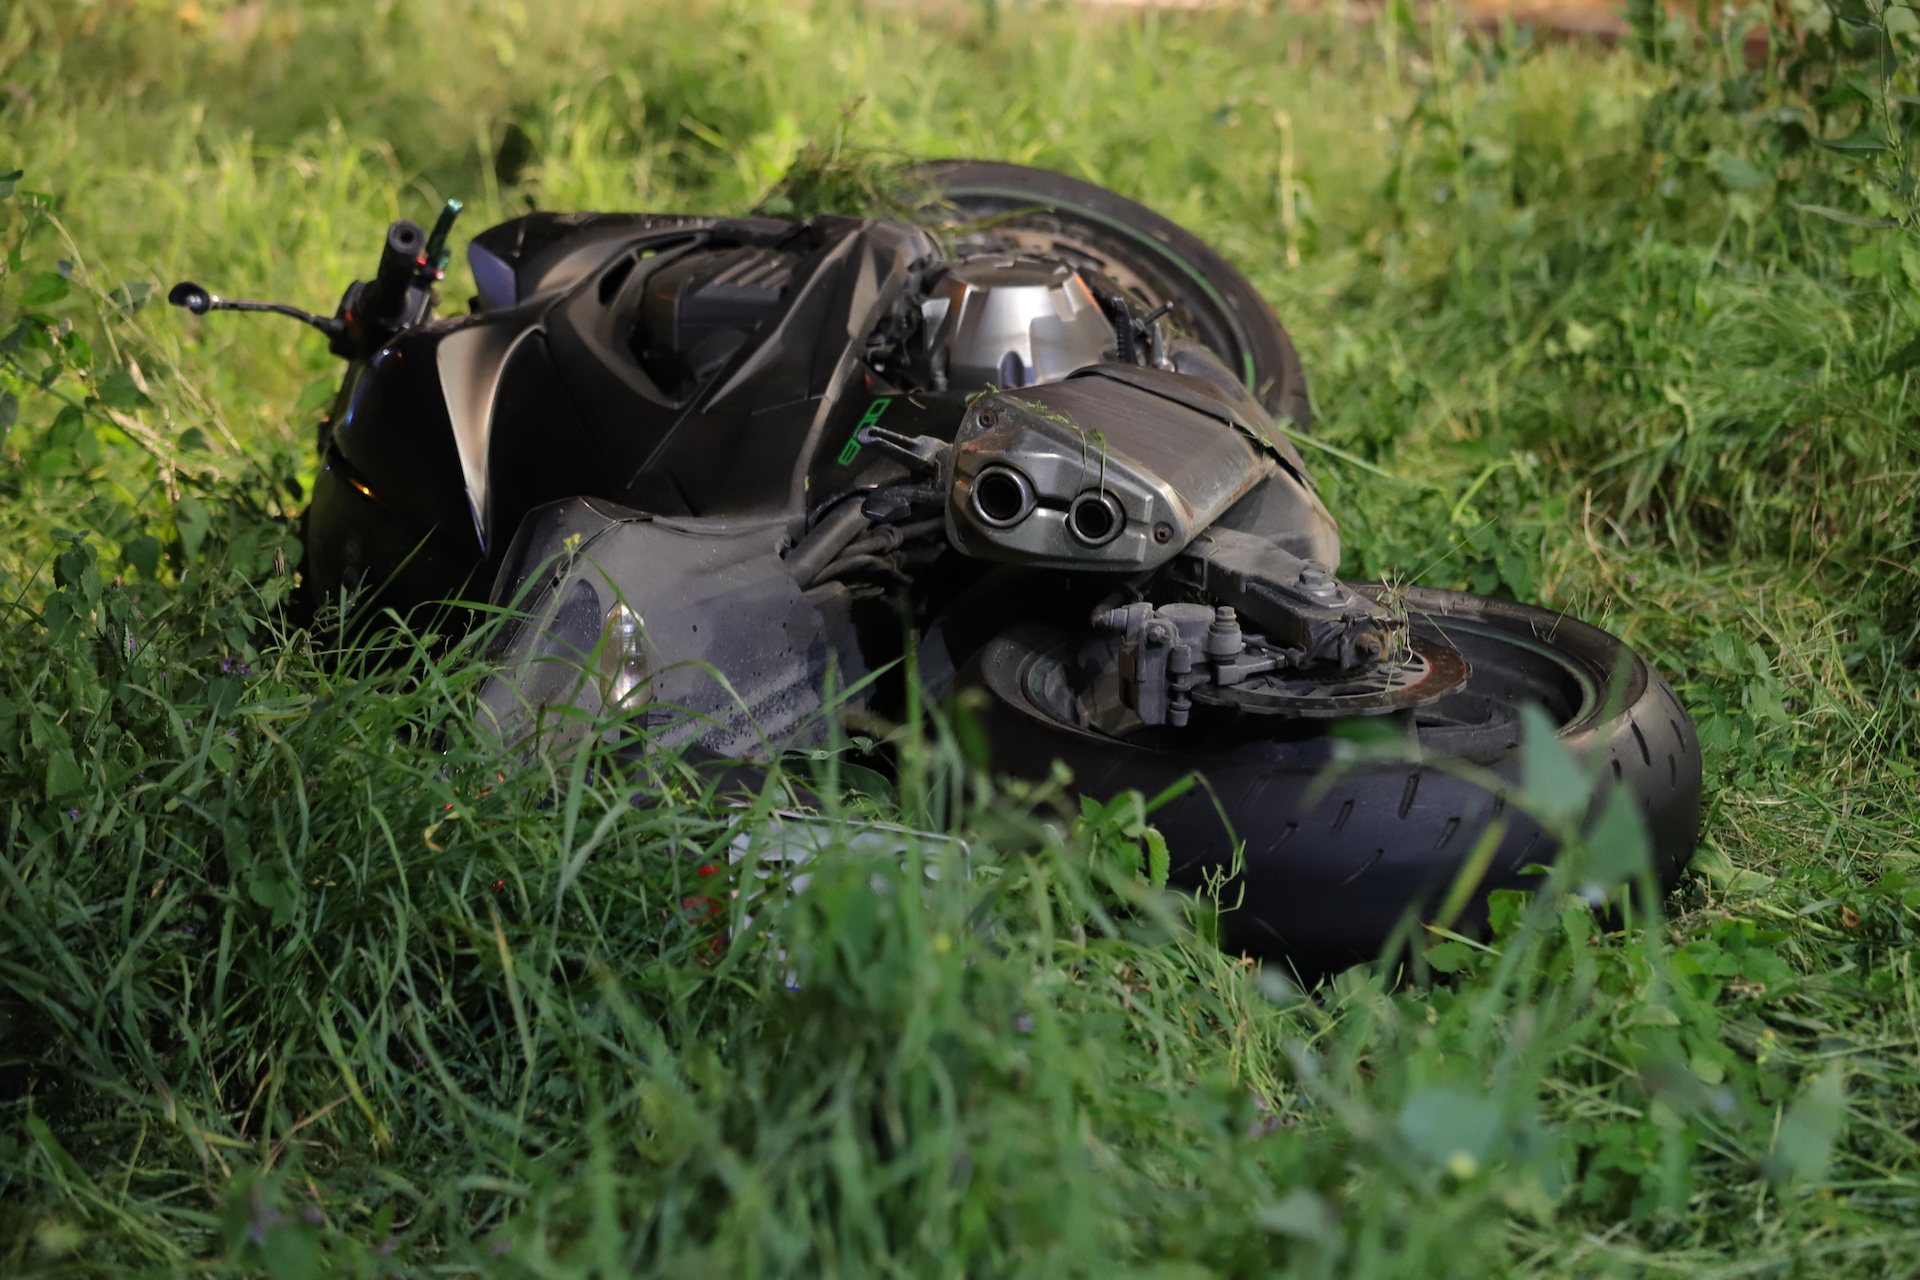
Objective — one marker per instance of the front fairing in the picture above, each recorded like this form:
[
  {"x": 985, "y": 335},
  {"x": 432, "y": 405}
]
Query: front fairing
[{"x": 447, "y": 437}]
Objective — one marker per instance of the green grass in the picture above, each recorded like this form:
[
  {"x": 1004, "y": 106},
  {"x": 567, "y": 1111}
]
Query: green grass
[{"x": 293, "y": 978}]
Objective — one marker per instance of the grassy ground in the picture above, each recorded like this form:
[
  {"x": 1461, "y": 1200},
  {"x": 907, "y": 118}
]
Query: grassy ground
[{"x": 292, "y": 984}]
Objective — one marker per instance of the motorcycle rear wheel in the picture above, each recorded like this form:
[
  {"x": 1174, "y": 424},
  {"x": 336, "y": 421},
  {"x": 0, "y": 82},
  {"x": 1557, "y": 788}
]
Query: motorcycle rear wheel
[
  {"x": 1037, "y": 210},
  {"x": 1327, "y": 877}
]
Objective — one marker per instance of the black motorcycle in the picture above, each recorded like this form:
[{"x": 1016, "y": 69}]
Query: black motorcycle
[{"x": 725, "y": 470}]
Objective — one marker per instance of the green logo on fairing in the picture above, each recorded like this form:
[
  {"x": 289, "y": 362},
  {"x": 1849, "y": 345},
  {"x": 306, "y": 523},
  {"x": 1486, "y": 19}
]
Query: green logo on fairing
[{"x": 874, "y": 410}]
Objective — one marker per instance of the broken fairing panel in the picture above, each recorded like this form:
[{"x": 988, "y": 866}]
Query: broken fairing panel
[
  {"x": 695, "y": 632},
  {"x": 470, "y": 361}
]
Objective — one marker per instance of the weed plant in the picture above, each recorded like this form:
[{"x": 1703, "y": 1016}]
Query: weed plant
[{"x": 299, "y": 980}]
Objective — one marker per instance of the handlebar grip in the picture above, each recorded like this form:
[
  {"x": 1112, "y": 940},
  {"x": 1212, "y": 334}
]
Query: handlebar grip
[
  {"x": 399, "y": 260},
  {"x": 401, "y": 256}
]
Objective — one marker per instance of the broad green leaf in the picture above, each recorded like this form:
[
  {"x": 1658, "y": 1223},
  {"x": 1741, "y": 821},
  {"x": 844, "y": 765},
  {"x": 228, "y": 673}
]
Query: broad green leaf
[
  {"x": 1868, "y": 261},
  {"x": 118, "y": 390},
  {"x": 74, "y": 570},
  {"x": 1580, "y": 337},
  {"x": 1505, "y": 907},
  {"x": 1728, "y": 653},
  {"x": 64, "y": 777},
  {"x": 132, "y": 296},
  {"x": 272, "y": 891},
  {"x": 1654, "y": 1015},
  {"x": 222, "y": 694},
  {"x": 1553, "y": 780},
  {"x": 1860, "y": 144},
  {"x": 1301, "y": 1214},
  {"x": 47, "y": 287},
  {"x": 1449, "y": 957},
  {"x": 143, "y": 553},
  {"x": 1807, "y": 1133},
  {"x": 1736, "y": 173},
  {"x": 1768, "y": 702},
  {"x": 190, "y": 517},
  {"x": 1849, "y": 91},
  {"x": 291, "y": 1252},
  {"x": 318, "y": 395},
  {"x": 1443, "y": 1124},
  {"x": 1902, "y": 360},
  {"x": 1617, "y": 848},
  {"x": 1276, "y": 987},
  {"x": 1517, "y": 574},
  {"x": 1841, "y": 215}
]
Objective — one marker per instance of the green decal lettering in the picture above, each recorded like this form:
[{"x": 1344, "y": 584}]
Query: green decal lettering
[{"x": 872, "y": 416}]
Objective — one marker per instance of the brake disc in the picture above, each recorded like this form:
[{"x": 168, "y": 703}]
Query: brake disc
[{"x": 1423, "y": 672}]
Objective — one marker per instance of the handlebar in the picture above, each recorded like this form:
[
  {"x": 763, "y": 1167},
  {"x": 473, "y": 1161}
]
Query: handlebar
[{"x": 370, "y": 314}]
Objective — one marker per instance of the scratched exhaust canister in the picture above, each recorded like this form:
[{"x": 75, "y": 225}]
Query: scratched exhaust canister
[{"x": 1103, "y": 470}]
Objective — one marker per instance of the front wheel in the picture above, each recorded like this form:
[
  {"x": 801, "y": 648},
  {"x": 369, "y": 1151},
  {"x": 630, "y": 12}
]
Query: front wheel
[{"x": 1328, "y": 874}]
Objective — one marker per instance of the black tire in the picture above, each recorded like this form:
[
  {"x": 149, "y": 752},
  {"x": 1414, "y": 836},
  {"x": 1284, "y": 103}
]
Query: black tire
[
  {"x": 1326, "y": 879},
  {"x": 1163, "y": 262}
]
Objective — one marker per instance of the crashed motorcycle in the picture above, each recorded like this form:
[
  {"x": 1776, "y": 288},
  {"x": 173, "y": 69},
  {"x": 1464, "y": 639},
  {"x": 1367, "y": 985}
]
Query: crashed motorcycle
[{"x": 744, "y": 478}]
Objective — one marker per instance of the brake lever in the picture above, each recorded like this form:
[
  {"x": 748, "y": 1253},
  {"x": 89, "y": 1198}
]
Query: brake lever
[
  {"x": 433, "y": 260},
  {"x": 197, "y": 300}
]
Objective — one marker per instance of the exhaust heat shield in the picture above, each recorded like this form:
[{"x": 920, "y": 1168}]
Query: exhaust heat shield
[{"x": 1116, "y": 471}]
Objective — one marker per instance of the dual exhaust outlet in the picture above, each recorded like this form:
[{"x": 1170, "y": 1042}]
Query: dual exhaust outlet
[{"x": 1003, "y": 497}]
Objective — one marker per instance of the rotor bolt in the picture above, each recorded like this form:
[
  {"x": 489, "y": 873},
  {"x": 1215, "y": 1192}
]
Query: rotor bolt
[
  {"x": 988, "y": 417},
  {"x": 1163, "y": 533},
  {"x": 1314, "y": 576}
]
